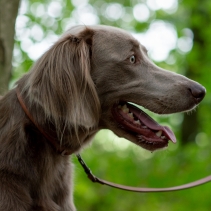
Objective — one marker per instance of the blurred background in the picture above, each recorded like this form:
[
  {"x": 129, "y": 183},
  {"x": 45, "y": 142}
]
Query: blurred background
[{"x": 177, "y": 34}]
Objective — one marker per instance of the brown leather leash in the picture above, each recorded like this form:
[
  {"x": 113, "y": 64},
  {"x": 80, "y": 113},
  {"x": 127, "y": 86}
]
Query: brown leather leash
[{"x": 95, "y": 179}]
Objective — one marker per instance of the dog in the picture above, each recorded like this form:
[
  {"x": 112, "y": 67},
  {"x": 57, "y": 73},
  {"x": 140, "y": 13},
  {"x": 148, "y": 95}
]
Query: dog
[{"x": 88, "y": 80}]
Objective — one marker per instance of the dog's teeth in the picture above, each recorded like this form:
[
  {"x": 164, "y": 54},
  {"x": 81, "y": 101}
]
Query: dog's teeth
[
  {"x": 144, "y": 126},
  {"x": 130, "y": 115},
  {"x": 159, "y": 133},
  {"x": 124, "y": 106},
  {"x": 137, "y": 122},
  {"x": 141, "y": 140},
  {"x": 125, "y": 110},
  {"x": 163, "y": 137}
]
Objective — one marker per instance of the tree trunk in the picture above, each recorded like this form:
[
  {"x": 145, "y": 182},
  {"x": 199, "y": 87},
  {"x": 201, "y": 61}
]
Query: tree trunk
[{"x": 8, "y": 14}]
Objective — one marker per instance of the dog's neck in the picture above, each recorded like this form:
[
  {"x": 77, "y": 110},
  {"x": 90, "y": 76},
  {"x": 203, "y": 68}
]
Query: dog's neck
[{"x": 51, "y": 137}]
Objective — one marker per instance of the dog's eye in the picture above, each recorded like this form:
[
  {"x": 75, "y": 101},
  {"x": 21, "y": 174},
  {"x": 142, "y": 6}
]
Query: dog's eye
[{"x": 132, "y": 59}]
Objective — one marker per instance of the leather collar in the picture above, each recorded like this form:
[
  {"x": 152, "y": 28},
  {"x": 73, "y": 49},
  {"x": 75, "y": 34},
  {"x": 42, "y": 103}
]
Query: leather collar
[{"x": 54, "y": 142}]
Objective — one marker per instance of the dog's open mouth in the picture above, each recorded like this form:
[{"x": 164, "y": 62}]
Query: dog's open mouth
[{"x": 147, "y": 132}]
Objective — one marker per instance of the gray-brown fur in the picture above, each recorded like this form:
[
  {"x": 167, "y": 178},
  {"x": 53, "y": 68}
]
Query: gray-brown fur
[{"x": 69, "y": 92}]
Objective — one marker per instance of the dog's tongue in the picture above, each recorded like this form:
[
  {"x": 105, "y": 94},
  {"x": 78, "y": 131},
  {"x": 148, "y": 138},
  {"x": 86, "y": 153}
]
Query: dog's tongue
[{"x": 151, "y": 123}]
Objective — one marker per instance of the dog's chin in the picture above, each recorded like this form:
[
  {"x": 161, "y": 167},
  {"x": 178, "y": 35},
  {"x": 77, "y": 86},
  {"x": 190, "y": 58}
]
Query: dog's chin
[{"x": 133, "y": 124}]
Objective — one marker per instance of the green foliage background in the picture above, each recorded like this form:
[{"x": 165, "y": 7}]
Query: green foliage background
[{"x": 117, "y": 160}]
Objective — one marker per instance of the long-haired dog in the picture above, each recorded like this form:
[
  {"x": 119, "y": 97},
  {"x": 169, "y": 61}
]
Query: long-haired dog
[{"x": 82, "y": 84}]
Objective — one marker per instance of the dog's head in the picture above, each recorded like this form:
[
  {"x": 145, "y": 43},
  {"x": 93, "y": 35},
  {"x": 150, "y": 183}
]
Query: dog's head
[
  {"x": 112, "y": 71},
  {"x": 123, "y": 74}
]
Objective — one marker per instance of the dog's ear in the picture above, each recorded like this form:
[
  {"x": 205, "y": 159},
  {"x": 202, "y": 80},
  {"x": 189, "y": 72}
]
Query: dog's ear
[{"x": 61, "y": 82}]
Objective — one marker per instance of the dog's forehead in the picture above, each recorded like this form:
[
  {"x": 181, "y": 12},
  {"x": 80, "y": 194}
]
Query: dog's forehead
[
  {"x": 107, "y": 33},
  {"x": 114, "y": 40},
  {"x": 110, "y": 33}
]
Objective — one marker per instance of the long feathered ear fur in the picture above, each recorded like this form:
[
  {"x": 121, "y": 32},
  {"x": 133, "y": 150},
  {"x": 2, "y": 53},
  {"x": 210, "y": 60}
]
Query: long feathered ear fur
[{"x": 60, "y": 82}]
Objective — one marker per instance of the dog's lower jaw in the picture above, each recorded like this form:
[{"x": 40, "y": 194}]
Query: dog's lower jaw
[{"x": 135, "y": 125}]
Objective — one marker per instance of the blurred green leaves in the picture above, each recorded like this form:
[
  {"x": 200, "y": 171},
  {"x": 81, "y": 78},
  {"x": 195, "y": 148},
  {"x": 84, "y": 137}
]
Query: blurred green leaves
[{"x": 131, "y": 167}]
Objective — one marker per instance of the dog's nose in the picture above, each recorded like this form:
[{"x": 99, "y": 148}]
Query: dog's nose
[{"x": 198, "y": 92}]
